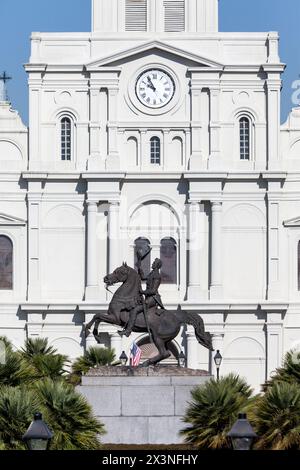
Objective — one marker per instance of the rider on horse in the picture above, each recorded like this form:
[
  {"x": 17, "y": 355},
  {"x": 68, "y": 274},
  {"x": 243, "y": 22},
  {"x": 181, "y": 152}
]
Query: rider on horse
[{"x": 152, "y": 297}]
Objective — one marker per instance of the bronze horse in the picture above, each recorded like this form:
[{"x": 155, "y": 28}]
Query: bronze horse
[{"x": 164, "y": 325}]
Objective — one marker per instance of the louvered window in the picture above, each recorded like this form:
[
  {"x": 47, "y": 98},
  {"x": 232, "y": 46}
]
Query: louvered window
[
  {"x": 174, "y": 15},
  {"x": 136, "y": 15}
]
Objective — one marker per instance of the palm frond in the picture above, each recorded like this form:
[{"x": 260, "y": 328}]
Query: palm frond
[
  {"x": 93, "y": 357},
  {"x": 213, "y": 410},
  {"x": 276, "y": 417},
  {"x": 37, "y": 346},
  {"x": 69, "y": 416},
  {"x": 17, "y": 407}
]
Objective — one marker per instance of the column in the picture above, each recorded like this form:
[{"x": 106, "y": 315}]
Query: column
[
  {"x": 218, "y": 345},
  {"x": 34, "y": 119},
  {"x": 274, "y": 342},
  {"x": 216, "y": 287},
  {"x": 165, "y": 155},
  {"x": 34, "y": 205},
  {"x": 196, "y": 153},
  {"x": 114, "y": 235},
  {"x": 155, "y": 252},
  {"x": 144, "y": 151},
  {"x": 194, "y": 251},
  {"x": 187, "y": 149},
  {"x": 113, "y": 161},
  {"x": 215, "y": 128},
  {"x": 192, "y": 352},
  {"x": 95, "y": 122},
  {"x": 273, "y": 122},
  {"x": 273, "y": 234},
  {"x": 92, "y": 256},
  {"x": 273, "y": 40},
  {"x": 116, "y": 344}
]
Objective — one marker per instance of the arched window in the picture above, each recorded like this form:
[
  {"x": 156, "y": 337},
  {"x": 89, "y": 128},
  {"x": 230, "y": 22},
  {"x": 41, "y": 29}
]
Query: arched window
[
  {"x": 299, "y": 266},
  {"x": 244, "y": 138},
  {"x": 155, "y": 151},
  {"x": 66, "y": 138},
  {"x": 168, "y": 256},
  {"x": 177, "y": 152},
  {"x": 143, "y": 245},
  {"x": 132, "y": 156},
  {"x": 6, "y": 263}
]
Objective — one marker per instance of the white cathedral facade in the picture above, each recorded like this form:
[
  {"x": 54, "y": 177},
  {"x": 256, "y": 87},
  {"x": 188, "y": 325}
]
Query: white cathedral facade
[{"x": 155, "y": 130}]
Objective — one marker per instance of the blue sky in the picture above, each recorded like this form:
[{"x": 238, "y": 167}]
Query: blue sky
[{"x": 20, "y": 17}]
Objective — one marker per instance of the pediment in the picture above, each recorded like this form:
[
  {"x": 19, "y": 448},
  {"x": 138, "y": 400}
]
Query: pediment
[
  {"x": 6, "y": 219},
  {"x": 115, "y": 59},
  {"x": 295, "y": 222}
]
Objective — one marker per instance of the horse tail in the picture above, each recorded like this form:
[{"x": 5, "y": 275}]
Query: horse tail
[{"x": 194, "y": 319}]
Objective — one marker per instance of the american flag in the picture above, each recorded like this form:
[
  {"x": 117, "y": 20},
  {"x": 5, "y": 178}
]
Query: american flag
[{"x": 135, "y": 355}]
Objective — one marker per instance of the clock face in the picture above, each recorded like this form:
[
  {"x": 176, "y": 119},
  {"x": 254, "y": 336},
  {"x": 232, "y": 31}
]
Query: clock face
[{"x": 155, "y": 88}]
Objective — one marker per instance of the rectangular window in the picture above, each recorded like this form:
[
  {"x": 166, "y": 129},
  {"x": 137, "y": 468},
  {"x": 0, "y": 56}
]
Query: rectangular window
[
  {"x": 174, "y": 15},
  {"x": 155, "y": 151},
  {"x": 136, "y": 17}
]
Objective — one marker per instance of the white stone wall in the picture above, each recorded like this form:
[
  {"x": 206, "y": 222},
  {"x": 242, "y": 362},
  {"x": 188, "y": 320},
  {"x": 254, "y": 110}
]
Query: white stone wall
[{"x": 236, "y": 223}]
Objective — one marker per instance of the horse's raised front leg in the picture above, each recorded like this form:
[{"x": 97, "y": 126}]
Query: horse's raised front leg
[
  {"x": 110, "y": 317},
  {"x": 90, "y": 324},
  {"x": 163, "y": 352},
  {"x": 97, "y": 323}
]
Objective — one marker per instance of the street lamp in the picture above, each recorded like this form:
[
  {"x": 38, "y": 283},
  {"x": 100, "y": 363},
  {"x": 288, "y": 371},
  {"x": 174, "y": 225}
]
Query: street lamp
[
  {"x": 123, "y": 358},
  {"x": 218, "y": 361},
  {"x": 38, "y": 436},
  {"x": 181, "y": 359},
  {"x": 242, "y": 434}
]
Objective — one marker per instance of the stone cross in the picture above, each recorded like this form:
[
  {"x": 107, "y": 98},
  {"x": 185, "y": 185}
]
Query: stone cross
[{"x": 3, "y": 93}]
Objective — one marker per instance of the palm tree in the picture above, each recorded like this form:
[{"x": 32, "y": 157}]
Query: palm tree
[
  {"x": 37, "y": 346},
  {"x": 214, "y": 410},
  {"x": 69, "y": 416},
  {"x": 7, "y": 344},
  {"x": 43, "y": 359},
  {"x": 276, "y": 417},
  {"x": 93, "y": 357},
  {"x": 49, "y": 366},
  {"x": 17, "y": 407},
  {"x": 289, "y": 372},
  {"x": 15, "y": 371}
]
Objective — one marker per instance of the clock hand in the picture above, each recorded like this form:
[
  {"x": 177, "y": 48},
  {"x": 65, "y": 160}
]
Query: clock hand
[{"x": 151, "y": 84}]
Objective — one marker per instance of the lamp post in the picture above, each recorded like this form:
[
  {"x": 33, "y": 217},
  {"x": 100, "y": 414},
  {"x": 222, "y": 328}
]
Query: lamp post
[
  {"x": 181, "y": 359},
  {"x": 38, "y": 436},
  {"x": 218, "y": 361},
  {"x": 123, "y": 358},
  {"x": 241, "y": 434}
]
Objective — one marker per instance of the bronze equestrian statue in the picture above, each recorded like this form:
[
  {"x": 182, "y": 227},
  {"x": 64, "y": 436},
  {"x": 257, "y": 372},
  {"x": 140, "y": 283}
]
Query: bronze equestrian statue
[
  {"x": 127, "y": 304},
  {"x": 152, "y": 297}
]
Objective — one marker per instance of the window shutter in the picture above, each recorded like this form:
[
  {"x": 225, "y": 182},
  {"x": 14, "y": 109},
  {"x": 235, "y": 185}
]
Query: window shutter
[
  {"x": 174, "y": 15},
  {"x": 136, "y": 15}
]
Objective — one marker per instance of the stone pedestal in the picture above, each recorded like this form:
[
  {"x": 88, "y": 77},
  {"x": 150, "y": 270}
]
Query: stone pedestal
[{"x": 141, "y": 405}]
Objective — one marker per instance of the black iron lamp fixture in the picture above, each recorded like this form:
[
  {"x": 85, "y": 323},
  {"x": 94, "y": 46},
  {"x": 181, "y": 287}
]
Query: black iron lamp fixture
[
  {"x": 181, "y": 359},
  {"x": 242, "y": 434},
  {"x": 38, "y": 436},
  {"x": 123, "y": 358},
  {"x": 218, "y": 361}
]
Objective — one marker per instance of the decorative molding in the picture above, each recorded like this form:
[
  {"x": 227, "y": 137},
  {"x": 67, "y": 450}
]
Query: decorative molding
[
  {"x": 10, "y": 220},
  {"x": 125, "y": 54},
  {"x": 295, "y": 222}
]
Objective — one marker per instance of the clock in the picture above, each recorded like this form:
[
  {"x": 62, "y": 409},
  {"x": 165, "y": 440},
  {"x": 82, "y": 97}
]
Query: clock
[{"x": 155, "y": 88}]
